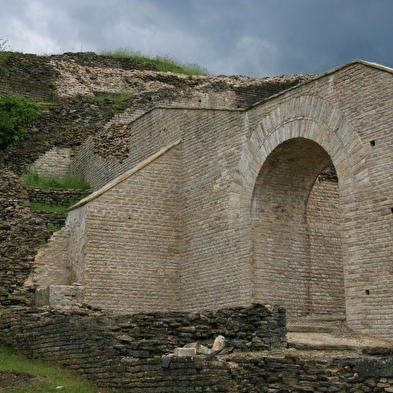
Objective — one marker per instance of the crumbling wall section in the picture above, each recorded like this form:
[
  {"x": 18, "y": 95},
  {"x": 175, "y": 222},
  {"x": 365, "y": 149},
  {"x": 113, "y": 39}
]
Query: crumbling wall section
[
  {"x": 21, "y": 234},
  {"x": 127, "y": 351},
  {"x": 54, "y": 163}
]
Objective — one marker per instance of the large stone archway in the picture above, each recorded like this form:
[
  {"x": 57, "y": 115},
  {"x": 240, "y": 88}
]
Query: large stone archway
[
  {"x": 296, "y": 232},
  {"x": 280, "y": 162}
]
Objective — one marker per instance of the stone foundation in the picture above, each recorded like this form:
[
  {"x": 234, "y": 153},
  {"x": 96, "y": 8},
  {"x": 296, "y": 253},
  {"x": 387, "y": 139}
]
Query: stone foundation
[{"x": 132, "y": 352}]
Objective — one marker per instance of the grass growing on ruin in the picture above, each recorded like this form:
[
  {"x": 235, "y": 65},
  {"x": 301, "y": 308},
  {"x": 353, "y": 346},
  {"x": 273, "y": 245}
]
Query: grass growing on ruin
[
  {"x": 164, "y": 63},
  {"x": 48, "y": 377},
  {"x": 49, "y": 208},
  {"x": 32, "y": 178},
  {"x": 114, "y": 100},
  {"x": 55, "y": 208}
]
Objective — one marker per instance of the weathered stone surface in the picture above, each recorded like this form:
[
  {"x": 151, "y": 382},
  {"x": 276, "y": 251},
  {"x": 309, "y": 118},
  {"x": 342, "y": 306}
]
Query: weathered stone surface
[
  {"x": 219, "y": 343},
  {"x": 378, "y": 365},
  {"x": 21, "y": 234},
  {"x": 59, "y": 295},
  {"x": 183, "y": 352},
  {"x": 235, "y": 199},
  {"x": 125, "y": 352}
]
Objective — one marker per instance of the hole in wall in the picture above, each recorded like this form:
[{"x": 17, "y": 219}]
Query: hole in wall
[
  {"x": 367, "y": 291},
  {"x": 372, "y": 143}
]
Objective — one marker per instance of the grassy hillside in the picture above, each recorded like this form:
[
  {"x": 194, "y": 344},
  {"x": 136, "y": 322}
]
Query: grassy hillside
[{"x": 20, "y": 375}]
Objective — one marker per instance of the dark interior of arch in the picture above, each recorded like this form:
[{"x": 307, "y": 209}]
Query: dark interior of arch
[{"x": 297, "y": 255}]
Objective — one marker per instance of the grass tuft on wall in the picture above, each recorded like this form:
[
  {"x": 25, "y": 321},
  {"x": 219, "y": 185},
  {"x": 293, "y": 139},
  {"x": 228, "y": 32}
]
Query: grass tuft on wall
[
  {"x": 163, "y": 63},
  {"x": 34, "y": 179}
]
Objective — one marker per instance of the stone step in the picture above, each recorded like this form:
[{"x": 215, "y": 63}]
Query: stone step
[
  {"x": 310, "y": 329},
  {"x": 317, "y": 318},
  {"x": 315, "y": 323}
]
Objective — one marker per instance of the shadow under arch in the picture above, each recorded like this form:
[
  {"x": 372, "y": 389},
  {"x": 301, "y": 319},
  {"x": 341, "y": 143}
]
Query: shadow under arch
[
  {"x": 296, "y": 236},
  {"x": 308, "y": 118}
]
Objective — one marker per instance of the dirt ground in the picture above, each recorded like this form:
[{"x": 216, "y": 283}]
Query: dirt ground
[{"x": 13, "y": 378}]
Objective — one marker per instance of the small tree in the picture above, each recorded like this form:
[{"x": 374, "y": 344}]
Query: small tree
[{"x": 16, "y": 113}]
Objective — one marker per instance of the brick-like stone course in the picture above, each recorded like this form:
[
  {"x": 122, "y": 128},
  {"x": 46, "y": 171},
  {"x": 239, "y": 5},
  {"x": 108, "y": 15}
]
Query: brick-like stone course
[
  {"x": 127, "y": 351},
  {"x": 35, "y": 330},
  {"x": 55, "y": 196}
]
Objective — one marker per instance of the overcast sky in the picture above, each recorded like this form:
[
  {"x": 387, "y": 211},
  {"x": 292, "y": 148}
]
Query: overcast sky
[{"x": 240, "y": 37}]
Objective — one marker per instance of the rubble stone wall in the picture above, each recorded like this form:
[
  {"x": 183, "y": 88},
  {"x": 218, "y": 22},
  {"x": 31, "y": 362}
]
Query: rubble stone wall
[
  {"x": 127, "y": 351},
  {"x": 22, "y": 232},
  {"x": 55, "y": 196}
]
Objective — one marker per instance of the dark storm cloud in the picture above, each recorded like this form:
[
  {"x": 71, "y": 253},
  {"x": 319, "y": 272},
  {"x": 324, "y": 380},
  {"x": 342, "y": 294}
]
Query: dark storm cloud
[{"x": 250, "y": 37}]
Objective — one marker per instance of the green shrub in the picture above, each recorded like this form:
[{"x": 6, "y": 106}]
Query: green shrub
[
  {"x": 164, "y": 63},
  {"x": 32, "y": 178},
  {"x": 16, "y": 113}
]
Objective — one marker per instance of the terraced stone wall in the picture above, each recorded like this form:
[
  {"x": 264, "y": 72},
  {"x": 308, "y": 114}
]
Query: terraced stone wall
[{"x": 128, "y": 351}]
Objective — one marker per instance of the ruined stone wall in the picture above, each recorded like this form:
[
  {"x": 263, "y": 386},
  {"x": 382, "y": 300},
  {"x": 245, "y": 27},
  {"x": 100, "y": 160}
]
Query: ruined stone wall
[
  {"x": 55, "y": 163},
  {"x": 126, "y": 351},
  {"x": 27, "y": 75},
  {"x": 21, "y": 234},
  {"x": 55, "y": 196}
]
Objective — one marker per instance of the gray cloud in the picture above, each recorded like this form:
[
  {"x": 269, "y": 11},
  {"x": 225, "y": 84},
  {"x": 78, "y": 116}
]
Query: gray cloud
[{"x": 250, "y": 37}]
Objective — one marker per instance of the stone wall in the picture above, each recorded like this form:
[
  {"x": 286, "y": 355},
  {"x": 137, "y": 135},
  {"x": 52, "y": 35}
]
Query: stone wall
[
  {"x": 78, "y": 83},
  {"x": 52, "y": 220},
  {"x": 326, "y": 257},
  {"x": 55, "y": 196},
  {"x": 127, "y": 351},
  {"x": 54, "y": 163},
  {"x": 259, "y": 373},
  {"x": 276, "y": 150},
  {"x": 27, "y": 75},
  {"x": 21, "y": 234},
  {"x": 326, "y": 111}
]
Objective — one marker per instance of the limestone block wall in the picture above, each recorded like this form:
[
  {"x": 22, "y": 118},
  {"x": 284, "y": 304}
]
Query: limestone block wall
[
  {"x": 51, "y": 265},
  {"x": 327, "y": 270},
  {"x": 54, "y": 163},
  {"x": 347, "y": 113},
  {"x": 132, "y": 249}
]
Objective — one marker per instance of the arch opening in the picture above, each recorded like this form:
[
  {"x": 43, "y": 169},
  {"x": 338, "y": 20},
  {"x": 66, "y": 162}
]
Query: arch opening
[{"x": 297, "y": 253}]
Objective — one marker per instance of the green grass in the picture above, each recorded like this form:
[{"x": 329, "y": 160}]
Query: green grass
[
  {"x": 32, "y": 178},
  {"x": 48, "y": 376},
  {"x": 54, "y": 208},
  {"x": 49, "y": 208},
  {"x": 115, "y": 100},
  {"x": 53, "y": 228},
  {"x": 164, "y": 63}
]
